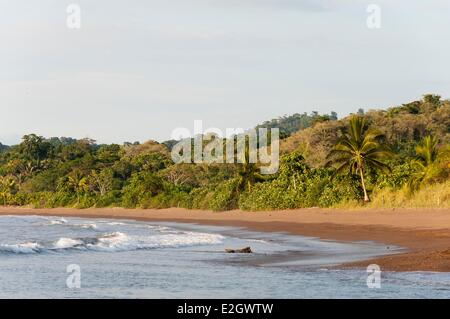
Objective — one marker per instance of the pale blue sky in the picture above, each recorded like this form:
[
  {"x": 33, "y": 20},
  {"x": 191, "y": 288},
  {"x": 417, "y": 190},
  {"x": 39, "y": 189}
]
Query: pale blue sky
[{"x": 136, "y": 70}]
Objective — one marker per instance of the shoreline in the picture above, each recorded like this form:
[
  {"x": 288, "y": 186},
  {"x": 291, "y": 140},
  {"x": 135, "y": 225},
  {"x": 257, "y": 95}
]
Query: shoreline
[{"x": 424, "y": 232}]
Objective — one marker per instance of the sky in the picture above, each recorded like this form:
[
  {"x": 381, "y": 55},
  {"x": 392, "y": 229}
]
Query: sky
[{"x": 137, "y": 70}]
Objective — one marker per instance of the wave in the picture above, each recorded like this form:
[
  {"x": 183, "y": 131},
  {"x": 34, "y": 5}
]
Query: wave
[
  {"x": 115, "y": 242},
  {"x": 23, "y": 248},
  {"x": 88, "y": 226},
  {"x": 118, "y": 241},
  {"x": 63, "y": 221},
  {"x": 262, "y": 241},
  {"x": 60, "y": 221},
  {"x": 65, "y": 243},
  {"x": 163, "y": 228}
]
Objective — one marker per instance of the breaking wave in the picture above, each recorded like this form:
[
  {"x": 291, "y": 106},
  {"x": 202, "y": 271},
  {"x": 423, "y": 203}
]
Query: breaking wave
[
  {"x": 63, "y": 221},
  {"x": 60, "y": 221},
  {"x": 88, "y": 226},
  {"x": 116, "y": 241},
  {"x": 23, "y": 248}
]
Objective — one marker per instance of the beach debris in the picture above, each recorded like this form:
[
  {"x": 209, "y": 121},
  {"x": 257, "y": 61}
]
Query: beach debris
[{"x": 245, "y": 250}]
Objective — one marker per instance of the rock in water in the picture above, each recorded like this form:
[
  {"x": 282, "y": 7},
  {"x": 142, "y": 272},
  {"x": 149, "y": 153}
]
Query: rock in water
[{"x": 246, "y": 250}]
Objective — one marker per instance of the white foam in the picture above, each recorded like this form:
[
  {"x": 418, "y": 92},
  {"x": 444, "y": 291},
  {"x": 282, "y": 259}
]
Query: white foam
[
  {"x": 65, "y": 243},
  {"x": 89, "y": 226},
  {"x": 112, "y": 241},
  {"x": 23, "y": 248},
  {"x": 257, "y": 240},
  {"x": 60, "y": 221},
  {"x": 118, "y": 241},
  {"x": 164, "y": 229},
  {"x": 187, "y": 239},
  {"x": 116, "y": 223}
]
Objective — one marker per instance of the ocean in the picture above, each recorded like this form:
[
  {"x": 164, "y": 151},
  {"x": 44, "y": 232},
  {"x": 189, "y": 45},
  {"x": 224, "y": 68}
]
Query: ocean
[{"x": 54, "y": 257}]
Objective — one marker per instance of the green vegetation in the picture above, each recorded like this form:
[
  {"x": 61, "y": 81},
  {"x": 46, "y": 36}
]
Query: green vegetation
[
  {"x": 359, "y": 150},
  {"x": 394, "y": 158},
  {"x": 296, "y": 122}
]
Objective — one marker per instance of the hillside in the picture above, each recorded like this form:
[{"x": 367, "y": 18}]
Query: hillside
[
  {"x": 403, "y": 126},
  {"x": 406, "y": 165},
  {"x": 290, "y": 124}
]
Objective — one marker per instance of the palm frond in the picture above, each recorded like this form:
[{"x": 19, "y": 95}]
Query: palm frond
[{"x": 339, "y": 170}]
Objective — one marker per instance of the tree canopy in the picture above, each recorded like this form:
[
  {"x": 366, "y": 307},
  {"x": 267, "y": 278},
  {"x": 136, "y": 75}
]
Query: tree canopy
[{"x": 403, "y": 146}]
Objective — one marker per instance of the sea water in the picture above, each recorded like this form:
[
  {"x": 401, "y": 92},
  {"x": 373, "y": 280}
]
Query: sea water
[{"x": 39, "y": 257}]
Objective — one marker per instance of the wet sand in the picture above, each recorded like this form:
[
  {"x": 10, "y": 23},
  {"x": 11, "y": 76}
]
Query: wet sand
[{"x": 424, "y": 232}]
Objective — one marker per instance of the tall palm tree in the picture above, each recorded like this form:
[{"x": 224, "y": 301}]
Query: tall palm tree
[
  {"x": 78, "y": 182},
  {"x": 248, "y": 174},
  {"x": 358, "y": 150},
  {"x": 427, "y": 151},
  {"x": 426, "y": 154}
]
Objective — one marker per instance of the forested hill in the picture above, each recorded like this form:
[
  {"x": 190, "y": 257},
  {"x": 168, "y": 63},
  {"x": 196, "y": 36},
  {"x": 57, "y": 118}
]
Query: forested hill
[
  {"x": 296, "y": 122},
  {"x": 287, "y": 124},
  {"x": 414, "y": 142},
  {"x": 403, "y": 127}
]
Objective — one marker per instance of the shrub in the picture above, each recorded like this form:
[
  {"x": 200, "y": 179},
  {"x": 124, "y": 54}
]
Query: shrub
[
  {"x": 140, "y": 188},
  {"x": 224, "y": 197},
  {"x": 110, "y": 199}
]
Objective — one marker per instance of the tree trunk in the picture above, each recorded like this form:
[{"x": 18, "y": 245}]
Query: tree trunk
[{"x": 366, "y": 197}]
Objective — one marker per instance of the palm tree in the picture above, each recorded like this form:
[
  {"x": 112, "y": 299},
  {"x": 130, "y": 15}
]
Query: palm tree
[
  {"x": 427, "y": 151},
  {"x": 358, "y": 150},
  {"x": 248, "y": 176},
  {"x": 248, "y": 173},
  {"x": 7, "y": 184},
  {"x": 78, "y": 182},
  {"x": 426, "y": 154}
]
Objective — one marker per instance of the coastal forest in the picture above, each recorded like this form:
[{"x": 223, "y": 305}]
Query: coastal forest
[{"x": 395, "y": 157}]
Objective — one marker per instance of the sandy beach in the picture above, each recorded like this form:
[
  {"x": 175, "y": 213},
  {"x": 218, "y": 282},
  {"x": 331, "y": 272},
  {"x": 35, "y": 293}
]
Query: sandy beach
[{"x": 424, "y": 232}]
